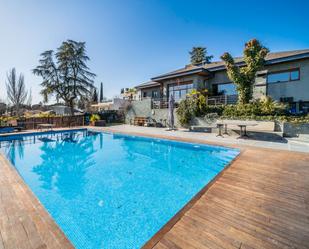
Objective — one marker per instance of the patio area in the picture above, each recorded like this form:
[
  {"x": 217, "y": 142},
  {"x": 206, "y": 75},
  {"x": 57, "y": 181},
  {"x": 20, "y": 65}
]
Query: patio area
[
  {"x": 260, "y": 201},
  {"x": 211, "y": 138}
]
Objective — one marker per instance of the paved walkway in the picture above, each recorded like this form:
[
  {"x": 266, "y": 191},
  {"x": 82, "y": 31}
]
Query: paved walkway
[{"x": 284, "y": 144}]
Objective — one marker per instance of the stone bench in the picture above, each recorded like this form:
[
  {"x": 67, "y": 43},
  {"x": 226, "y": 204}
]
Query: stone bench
[
  {"x": 263, "y": 126},
  {"x": 197, "y": 128}
]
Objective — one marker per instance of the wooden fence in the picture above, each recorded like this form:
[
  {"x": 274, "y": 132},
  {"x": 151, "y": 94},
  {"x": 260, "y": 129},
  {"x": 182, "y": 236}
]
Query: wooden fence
[{"x": 62, "y": 121}]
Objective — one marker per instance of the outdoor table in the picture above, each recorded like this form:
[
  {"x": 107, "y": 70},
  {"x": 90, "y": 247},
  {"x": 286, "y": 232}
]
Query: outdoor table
[
  {"x": 243, "y": 129},
  {"x": 241, "y": 124},
  {"x": 47, "y": 126},
  {"x": 220, "y": 126}
]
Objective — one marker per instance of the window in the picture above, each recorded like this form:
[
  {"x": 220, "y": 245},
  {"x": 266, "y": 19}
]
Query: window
[
  {"x": 283, "y": 76},
  {"x": 180, "y": 91},
  {"x": 304, "y": 107},
  {"x": 155, "y": 94},
  {"x": 224, "y": 89}
]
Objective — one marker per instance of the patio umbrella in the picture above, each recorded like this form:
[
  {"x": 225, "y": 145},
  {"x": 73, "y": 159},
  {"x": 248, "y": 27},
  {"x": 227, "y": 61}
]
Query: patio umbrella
[{"x": 171, "y": 103}]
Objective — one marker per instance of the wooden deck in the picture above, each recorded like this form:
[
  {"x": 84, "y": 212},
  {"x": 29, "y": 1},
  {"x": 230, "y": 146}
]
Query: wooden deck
[
  {"x": 260, "y": 201},
  {"x": 24, "y": 223}
]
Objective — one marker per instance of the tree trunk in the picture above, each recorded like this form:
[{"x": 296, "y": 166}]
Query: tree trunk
[
  {"x": 70, "y": 103},
  {"x": 72, "y": 107}
]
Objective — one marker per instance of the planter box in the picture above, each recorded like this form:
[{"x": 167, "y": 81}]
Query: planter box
[
  {"x": 100, "y": 123},
  {"x": 294, "y": 130}
]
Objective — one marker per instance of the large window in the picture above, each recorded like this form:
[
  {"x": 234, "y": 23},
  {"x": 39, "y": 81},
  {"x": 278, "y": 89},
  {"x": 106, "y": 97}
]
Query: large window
[
  {"x": 224, "y": 89},
  {"x": 283, "y": 76},
  {"x": 180, "y": 91}
]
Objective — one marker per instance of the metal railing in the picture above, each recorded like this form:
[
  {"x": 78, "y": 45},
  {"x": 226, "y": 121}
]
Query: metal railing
[
  {"x": 159, "y": 103},
  {"x": 222, "y": 100},
  {"x": 162, "y": 103}
]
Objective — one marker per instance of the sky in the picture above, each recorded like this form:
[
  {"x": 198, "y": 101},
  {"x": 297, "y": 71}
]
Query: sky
[{"x": 130, "y": 41}]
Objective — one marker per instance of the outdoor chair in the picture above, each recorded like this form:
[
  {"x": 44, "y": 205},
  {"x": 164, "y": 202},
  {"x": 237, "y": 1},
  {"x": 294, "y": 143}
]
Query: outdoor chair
[
  {"x": 150, "y": 122},
  {"x": 6, "y": 129}
]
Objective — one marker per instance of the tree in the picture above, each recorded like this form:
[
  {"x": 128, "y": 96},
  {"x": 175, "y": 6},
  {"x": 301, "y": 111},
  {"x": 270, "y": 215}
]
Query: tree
[
  {"x": 101, "y": 93},
  {"x": 199, "y": 55},
  {"x": 16, "y": 90},
  {"x": 243, "y": 76},
  {"x": 69, "y": 77},
  {"x": 95, "y": 96},
  {"x": 29, "y": 100}
]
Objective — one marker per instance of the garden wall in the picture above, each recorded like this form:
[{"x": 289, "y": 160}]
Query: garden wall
[
  {"x": 142, "y": 108},
  {"x": 63, "y": 121}
]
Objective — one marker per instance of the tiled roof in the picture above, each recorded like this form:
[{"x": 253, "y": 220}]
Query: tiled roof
[{"x": 275, "y": 57}]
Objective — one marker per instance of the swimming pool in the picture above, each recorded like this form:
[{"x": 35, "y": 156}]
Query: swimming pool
[{"x": 109, "y": 190}]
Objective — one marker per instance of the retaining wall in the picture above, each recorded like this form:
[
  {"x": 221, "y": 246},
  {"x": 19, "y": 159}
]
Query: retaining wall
[{"x": 142, "y": 108}]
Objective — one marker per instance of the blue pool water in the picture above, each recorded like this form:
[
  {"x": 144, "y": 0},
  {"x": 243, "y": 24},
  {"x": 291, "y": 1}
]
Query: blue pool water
[{"x": 109, "y": 190}]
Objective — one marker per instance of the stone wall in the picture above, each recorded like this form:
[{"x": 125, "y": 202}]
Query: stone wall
[
  {"x": 294, "y": 130},
  {"x": 143, "y": 109}
]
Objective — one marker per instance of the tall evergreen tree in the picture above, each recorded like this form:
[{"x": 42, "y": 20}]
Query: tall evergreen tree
[
  {"x": 95, "y": 96},
  {"x": 69, "y": 78},
  {"x": 101, "y": 93},
  {"x": 199, "y": 55},
  {"x": 243, "y": 77}
]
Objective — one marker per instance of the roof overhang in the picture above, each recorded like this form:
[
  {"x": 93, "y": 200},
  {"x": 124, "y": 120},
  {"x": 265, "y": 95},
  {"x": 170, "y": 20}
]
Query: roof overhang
[
  {"x": 151, "y": 84},
  {"x": 209, "y": 71},
  {"x": 288, "y": 58},
  {"x": 101, "y": 105},
  {"x": 267, "y": 62},
  {"x": 200, "y": 70}
]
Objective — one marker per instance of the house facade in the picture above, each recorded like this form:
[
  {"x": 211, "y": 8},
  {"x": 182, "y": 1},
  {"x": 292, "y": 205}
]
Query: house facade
[{"x": 285, "y": 78}]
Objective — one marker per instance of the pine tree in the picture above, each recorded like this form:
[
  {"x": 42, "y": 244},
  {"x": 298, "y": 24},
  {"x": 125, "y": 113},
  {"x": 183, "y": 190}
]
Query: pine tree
[{"x": 199, "y": 55}]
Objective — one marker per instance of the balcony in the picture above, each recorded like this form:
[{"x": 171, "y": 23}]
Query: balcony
[
  {"x": 159, "y": 103},
  {"x": 222, "y": 100},
  {"x": 162, "y": 103}
]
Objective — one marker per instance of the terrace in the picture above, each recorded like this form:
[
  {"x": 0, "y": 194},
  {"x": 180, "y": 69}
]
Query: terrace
[{"x": 258, "y": 201}]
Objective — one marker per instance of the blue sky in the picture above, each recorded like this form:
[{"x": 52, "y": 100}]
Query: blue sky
[{"x": 130, "y": 41}]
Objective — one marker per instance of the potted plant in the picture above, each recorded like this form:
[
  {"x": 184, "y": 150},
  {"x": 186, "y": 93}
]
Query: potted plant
[{"x": 94, "y": 118}]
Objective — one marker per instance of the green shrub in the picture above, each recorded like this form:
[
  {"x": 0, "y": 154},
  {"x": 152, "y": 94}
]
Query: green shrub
[
  {"x": 195, "y": 105},
  {"x": 263, "y": 107},
  {"x": 186, "y": 111}
]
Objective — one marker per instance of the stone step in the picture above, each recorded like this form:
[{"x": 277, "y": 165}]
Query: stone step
[{"x": 201, "y": 128}]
